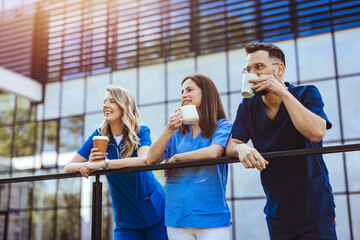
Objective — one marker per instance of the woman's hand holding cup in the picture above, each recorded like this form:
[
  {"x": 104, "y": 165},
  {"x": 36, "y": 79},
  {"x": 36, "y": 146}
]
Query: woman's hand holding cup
[
  {"x": 175, "y": 119},
  {"x": 96, "y": 155}
]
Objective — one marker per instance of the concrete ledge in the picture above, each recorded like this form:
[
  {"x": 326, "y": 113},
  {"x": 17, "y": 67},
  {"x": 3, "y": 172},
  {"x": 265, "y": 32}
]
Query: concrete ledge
[{"x": 18, "y": 84}]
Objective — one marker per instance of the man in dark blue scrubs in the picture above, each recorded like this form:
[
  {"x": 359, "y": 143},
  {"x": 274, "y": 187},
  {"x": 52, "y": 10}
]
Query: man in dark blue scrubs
[{"x": 281, "y": 116}]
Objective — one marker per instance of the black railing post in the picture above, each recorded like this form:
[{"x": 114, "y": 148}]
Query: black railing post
[{"x": 96, "y": 209}]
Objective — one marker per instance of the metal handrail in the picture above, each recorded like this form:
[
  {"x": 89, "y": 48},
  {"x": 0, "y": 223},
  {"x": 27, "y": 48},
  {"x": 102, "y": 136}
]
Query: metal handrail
[{"x": 97, "y": 185}]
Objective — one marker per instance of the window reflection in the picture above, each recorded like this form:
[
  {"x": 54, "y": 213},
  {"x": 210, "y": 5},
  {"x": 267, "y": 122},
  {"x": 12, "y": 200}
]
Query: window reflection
[
  {"x": 4, "y": 191},
  {"x": 177, "y": 71},
  {"x": 7, "y": 103},
  {"x": 95, "y": 92},
  {"x": 49, "y": 152},
  {"x": 70, "y": 134},
  {"x": 213, "y": 66},
  {"x": 152, "y": 80},
  {"x": 42, "y": 225},
  {"x": 18, "y": 225},
  {"x": 23, "y": 109},
  {"x": 24, "y": 140},
  {"x": 19, "y": 195},
  {"x": 153, "y": 117},
  {"x": 69, "y": 196},
  {"x": 72, "y": 97},
  {"x": 44, "y": 191},
  {"x": 68, "y": 224},
  {"x": 5, "y": 143},
  {"x": 52, "y": 100}
]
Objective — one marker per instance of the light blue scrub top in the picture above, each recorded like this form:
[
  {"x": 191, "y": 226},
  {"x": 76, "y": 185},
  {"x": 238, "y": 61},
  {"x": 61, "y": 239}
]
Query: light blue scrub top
[{"x": 195, "y": 196}]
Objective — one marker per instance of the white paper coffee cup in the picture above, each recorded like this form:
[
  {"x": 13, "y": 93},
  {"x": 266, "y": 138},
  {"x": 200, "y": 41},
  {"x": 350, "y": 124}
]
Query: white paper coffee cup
[
  {"x": 189, "y": 114},
  {"x": 246, "y": 90}
]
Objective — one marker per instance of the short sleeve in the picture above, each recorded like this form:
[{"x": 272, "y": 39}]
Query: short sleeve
[
  {"x": 144, "y": 136},
  {"x": 313, "y": 101},
  {"x": 239, "y": 129},
  {"x": 85, "y": 149},
  {"x": 222, "y": 132}
]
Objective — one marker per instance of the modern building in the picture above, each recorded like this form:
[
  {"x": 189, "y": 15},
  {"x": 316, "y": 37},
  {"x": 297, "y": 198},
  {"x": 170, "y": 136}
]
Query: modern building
[{"x": 58, "y": 57}]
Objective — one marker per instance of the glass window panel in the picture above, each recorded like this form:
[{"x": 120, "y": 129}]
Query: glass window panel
[
  {"x": 288, "y": 47},
  {"x": 176, "y": 72},
  {"x": 250, "y": 220},
  {"x": 86, "y": 223},
  {"x": 49, "y": 152},
  {"x": 230, "y": 183},
  {"x": 225, "y": 103},
  {"x": 5, "y": 147},
  {"x": 152, "y": 84},
  {"x": 237, "y": 62},
  {"x": 19, "y": 195},
  {"x": 24, "y": 140},
  {"x": 355, "y": 216},
  {"x": 235, "y": 100},
  {"x": 353, "y": 170},
  {"x": 126, "y": 79},
  {"x": 68, "y": 224},
  {"x": 92, "y": 121},
  {"x": 329, "y": 95},
  {"x": 95, "y": 91},
  {"x": 316, "y": 66},
  {"x": 52, "y": 100},
  {"x": 153, "y": 117},
  {"x": 18, "y": 227},
  {"x": 44, "y": 191},
  {"x": 69, "y": 196},
  {"x": 23, "y": 109},
  {"x": 347, "y": 51},
  {"x": 2, "y": 226},
  {"x": 4, "y": 191},
  {"x": 72, "y": 97},
  {"x": 7, "y": 105},
  {"x": 246, "y": 177},
  {"x": 335, "y": 165},
  {"x": 39, "y": 112},
  {"x": 70, "y": 134},
  {"x": 342, "y": 217},
  {"x": 107, "y": 223},
  {"x": 350, "y": 108},
  {"x": 42, "y": 225},
  {"x": 214, "y": 66}
]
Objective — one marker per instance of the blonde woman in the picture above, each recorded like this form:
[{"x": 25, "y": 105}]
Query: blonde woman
[{"x": 138, "y": 199}]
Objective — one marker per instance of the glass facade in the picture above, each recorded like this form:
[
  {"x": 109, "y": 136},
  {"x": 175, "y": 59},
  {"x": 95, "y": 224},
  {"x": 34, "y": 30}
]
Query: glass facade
[{"x": 76, "y": 48}]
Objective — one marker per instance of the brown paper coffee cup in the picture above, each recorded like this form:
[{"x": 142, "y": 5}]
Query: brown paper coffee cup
[{"x": 101, "y": 142}]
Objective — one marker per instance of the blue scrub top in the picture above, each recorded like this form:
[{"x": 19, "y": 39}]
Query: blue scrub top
[
  {"x": 297, "y": 188},
  {"x": 138, "y": 199},
  {"x": 195, "y": 197}
]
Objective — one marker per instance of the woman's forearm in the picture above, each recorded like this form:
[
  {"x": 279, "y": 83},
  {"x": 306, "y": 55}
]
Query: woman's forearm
[
  {"x": 73, "y": 167},
  {"x": 158, "y": 147}
]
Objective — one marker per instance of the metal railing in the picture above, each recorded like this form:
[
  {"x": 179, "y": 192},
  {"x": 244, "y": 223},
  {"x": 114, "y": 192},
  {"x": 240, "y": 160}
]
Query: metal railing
[{"x": 97, "y": 185}]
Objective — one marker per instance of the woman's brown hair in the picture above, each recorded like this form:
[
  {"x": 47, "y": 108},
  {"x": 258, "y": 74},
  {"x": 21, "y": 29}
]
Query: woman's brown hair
[{"x": 211, "y": 108}]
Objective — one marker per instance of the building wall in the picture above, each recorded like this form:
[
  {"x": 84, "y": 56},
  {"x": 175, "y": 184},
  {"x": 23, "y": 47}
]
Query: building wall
[{"x": 40, "y": 138}]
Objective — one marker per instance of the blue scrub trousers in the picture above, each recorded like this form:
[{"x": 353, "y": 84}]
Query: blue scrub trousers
[
  {"x": 156, "y": 232},
  {"x": 323, "y": 228}
]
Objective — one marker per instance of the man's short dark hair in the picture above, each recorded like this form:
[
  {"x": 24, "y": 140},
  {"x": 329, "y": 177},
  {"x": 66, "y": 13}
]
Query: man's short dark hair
[{"x": 273, "y": 50}]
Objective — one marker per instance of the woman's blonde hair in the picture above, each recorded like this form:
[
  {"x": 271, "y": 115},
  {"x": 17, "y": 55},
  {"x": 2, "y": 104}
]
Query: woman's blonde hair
[{"x": 129, "y": 119}]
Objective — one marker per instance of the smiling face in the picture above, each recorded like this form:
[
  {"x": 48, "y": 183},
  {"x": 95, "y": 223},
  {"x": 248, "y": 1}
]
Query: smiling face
[
  {"x": 111, "y": 109},
  {"x": 191, "y": 93}
]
